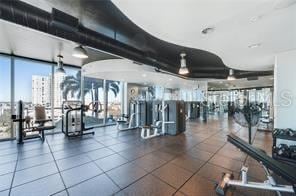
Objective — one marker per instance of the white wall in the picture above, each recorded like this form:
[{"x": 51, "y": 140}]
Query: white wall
[{"x": 285, "y": 90}]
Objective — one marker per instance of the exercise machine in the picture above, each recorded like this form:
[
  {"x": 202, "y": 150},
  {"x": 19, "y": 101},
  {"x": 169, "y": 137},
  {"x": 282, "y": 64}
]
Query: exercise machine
[
  {"x": 73, "y": 113},
  {"x": 137, "y": 116},
  {"x": 29, "y": 128},
  {"x": 286, "y": 171},
  {"x": 148, "y": 132},
  {"x": 126, "y": 120}
]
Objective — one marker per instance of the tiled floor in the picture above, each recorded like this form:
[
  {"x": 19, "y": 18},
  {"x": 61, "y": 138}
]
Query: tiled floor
[{"x": 112, "y": 163}]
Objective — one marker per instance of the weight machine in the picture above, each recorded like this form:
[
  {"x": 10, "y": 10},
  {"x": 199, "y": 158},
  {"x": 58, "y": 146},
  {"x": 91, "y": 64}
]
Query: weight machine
[
  {"x": 147, "y": 133},
  {"x": 73, "y": 114},
  {"x": 27, "y": 128}
]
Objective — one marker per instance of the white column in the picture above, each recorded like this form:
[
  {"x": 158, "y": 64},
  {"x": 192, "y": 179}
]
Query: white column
[{"x": 285, "y": 90}]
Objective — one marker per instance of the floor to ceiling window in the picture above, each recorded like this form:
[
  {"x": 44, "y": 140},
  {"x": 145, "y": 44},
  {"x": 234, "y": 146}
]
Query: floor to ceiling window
[
  {"x": 66, "y": 87},
  {"x": 94, "y": 97},
  {"x": 5, "y": 104},
  {"x": 33, "y": 86},
  {"x": 114, "y": 107}
]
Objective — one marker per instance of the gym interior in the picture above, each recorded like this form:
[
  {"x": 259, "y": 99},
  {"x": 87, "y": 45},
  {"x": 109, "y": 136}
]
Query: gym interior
[{"x": 147, "y": 98}]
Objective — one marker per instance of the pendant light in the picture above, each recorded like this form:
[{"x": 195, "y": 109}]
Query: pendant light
[
  {"x": 80, "y": 52},
  {"x": 60, "y": 68},
  {"x": 183, "y": 69},
  {"x": 231, "y": 75}
]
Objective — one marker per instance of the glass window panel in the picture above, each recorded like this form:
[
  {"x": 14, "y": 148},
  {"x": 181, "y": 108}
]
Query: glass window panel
[
  {"x": 94, "y": 97},
  {"x": 114, "y": 105},
  {"x": 33, "y": 86},
  {"x": 5, "y": 105},
  {"x": 66, "y": 87}
]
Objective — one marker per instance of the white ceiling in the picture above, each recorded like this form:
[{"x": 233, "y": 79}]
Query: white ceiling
[
  {"x": 127, "y": 71},
  {"x": 265, "y": 81},
  {"x": 25, "y": 42},
  {"x": 237, "y": 24}
]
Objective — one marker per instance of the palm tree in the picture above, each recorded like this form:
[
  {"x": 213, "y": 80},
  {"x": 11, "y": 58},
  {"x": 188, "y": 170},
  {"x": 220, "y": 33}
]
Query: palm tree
[{"x": 72, "y": 84}]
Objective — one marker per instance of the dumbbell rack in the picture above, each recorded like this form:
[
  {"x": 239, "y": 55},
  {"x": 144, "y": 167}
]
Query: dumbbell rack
[{"x": 283, "y": 138}]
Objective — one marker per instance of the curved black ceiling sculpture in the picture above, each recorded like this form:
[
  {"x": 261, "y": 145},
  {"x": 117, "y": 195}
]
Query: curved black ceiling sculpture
[{"x": 101, "y": 25}]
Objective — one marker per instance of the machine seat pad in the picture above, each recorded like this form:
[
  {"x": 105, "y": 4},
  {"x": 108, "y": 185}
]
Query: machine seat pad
[{"x": 287, "y": 172}]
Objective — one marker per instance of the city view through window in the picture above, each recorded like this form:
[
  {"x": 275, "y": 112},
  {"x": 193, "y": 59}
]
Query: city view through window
[{"x": 36, "y": 84}]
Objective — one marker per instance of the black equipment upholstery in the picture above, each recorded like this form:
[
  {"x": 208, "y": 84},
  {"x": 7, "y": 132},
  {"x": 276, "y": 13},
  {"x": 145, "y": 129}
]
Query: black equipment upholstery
[{"x": 285, "y": 171}]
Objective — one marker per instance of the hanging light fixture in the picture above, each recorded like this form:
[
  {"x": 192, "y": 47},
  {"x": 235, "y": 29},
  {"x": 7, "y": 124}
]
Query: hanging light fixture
[
  {"x": 231, "y": 75},
  {"x": 60, "y": 68},
  {"x": 183, "y": 69},
  {"x": 80, "y": 52}
]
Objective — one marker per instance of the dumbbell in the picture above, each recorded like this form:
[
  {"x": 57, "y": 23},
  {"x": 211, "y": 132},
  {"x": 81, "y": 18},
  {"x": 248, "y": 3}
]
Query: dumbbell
[
  {"x": 283, "y": 150},
  {"x": 293, "y": 151}
]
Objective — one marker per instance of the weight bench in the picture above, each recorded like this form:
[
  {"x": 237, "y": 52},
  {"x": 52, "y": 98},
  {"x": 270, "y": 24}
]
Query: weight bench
[{"x": 287, "y": 172}]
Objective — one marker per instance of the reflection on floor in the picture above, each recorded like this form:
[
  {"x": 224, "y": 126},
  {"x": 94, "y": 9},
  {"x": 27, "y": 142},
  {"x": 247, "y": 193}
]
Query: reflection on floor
[{"x": 123, "y": 164}]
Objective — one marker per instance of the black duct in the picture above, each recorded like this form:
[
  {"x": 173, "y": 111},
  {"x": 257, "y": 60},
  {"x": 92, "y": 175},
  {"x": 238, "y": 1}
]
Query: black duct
[{"x": 62, "y": 25}]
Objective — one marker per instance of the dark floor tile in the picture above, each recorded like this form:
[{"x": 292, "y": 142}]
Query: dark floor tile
[
  {"x": 100, "y": 153},
  {"x": 208, "y": 147},
  {"x": 132, "y": 154},
  {"x": 34, "y": 161},
  {"x": 232, "y": 154},
  {"x": 164, "y": 155},
  {"x": 199, "y": 154},
  {"x": 33, "y": 153},
  {"x": 199, "y": 186},
  {"x": 173, "y": 175},
  {"x": 121, "y": 147},
  {"x": 230, "y": 164},
  {"x": 7, "y": 168},
  {"x": 5, "y": 181},
  {"x": 34, "y": 173},
  {"x": 188, "y": 162},
  {"x": 110, "y": 142},
  {"x": 66, "y": 153},
  {"x": 126, "y": 174},
  {"x": 90, "y": 147},
  {"x": 71, "y": 162},
  {"x": 100, "y": 185},
  {"x": 149, "y": 162},
  {"x": 111, "y": 162},
  {"x": 44, "y": 186},
  {"x": 148, "y": 185},
  {"x": 213, "y": 172},
  {"x": 78, "y": 174}
]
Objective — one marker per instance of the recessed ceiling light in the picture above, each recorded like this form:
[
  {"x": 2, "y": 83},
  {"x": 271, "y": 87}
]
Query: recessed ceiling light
[
  {"x": 144, "y": 75},
  {"x": 170, "y": 79},
  {"x": 254, "y": 45}
]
